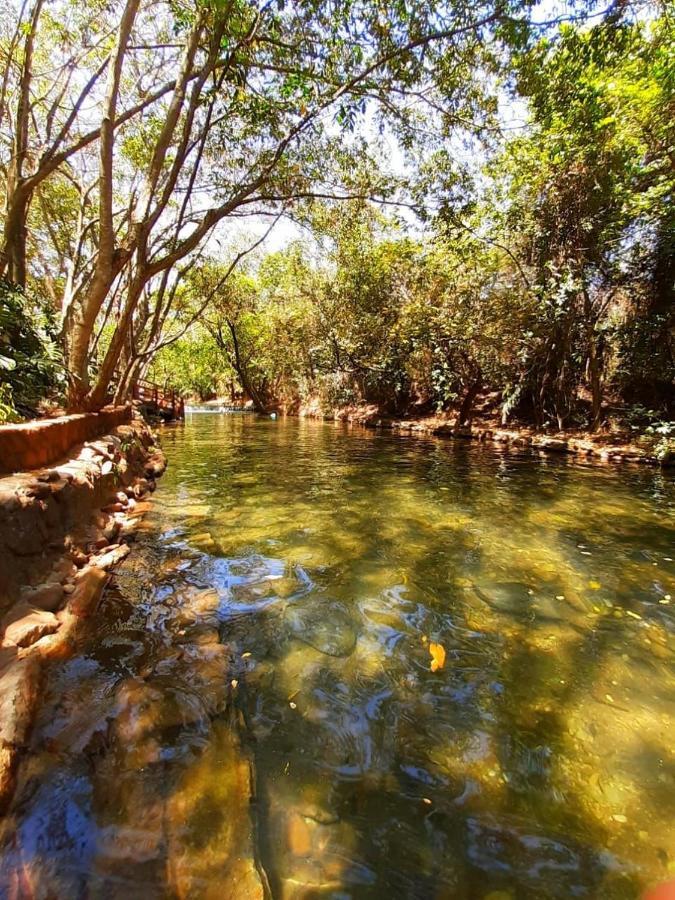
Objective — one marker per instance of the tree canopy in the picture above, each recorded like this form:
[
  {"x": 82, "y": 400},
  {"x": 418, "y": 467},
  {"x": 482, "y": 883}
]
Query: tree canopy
[{"x": 486, "y": 195}]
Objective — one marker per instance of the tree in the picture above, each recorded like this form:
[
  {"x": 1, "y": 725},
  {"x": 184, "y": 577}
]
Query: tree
[{"x": 256, "y": 100}]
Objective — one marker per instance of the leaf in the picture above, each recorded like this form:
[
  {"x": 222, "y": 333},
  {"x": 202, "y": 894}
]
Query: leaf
[
  {"x": 594, "y": 585},
  {"x": 437, "y": 656}
]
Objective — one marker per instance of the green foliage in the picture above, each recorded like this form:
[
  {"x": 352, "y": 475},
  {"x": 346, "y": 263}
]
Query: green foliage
[
  {"x": 192, "y": 365},
  {"x": 8, "y": 413},
  {"x": 30, "y": 367},
  {"x": 542, "y": 283}
]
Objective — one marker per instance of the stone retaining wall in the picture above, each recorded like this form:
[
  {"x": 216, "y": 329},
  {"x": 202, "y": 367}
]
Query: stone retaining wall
[
  {"x": 61, "y": 529},
  {"x": 34, "y": 444}
]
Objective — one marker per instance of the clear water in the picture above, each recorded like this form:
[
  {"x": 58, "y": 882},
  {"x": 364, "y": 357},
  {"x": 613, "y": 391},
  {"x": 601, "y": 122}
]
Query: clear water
[{"x": 254, "y": 711}]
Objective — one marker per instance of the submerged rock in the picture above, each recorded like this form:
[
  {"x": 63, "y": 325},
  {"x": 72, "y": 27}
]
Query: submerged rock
[
  {"x": 325, "y": 625},
  {"x": 209, "y": 834},
  {"x": 506, "y": 596},
  {"x": 19, "y": 689}
]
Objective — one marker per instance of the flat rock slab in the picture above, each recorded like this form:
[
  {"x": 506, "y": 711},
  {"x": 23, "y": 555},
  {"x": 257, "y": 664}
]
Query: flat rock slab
[
  {"x": 48, "y": 597},
  {"x": 88, "y": 589},
  {"x": 19, "y": 686},
  {"x": 30, "y": 628},
  {"x": 327, "y": 625},
  {"x": 208, "y": 826},
  {"x": 18, "y": 690}
]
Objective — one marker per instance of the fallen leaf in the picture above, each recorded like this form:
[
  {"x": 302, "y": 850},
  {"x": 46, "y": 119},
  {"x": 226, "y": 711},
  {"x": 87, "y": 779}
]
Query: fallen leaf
[
  {"x": 437, "y": 656},
  {"x": 594, "y": 585},
  {"x": 246, "y": 655}
]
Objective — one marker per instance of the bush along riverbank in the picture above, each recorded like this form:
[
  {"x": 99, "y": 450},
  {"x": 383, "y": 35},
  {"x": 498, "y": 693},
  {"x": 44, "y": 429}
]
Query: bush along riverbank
[
  {"x": 604, "y": 447},
  {"x": 62, "y": 529}
]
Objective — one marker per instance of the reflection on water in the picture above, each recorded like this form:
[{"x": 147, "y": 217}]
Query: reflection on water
[{"x": 276, "y": 619}]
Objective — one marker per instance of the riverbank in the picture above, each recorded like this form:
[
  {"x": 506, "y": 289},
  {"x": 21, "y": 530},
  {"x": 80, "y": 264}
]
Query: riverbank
[
  {"x": 61, "y": 529},
  {"x": 603, "y": 447}
]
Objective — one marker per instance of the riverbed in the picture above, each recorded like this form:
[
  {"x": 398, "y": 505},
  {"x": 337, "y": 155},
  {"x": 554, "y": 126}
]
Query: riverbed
[{"x": 256, "y": 709}]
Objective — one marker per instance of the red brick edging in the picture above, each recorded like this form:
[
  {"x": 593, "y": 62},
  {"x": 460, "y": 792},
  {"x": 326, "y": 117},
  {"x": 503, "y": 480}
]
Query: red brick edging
[{"x": 31, "y": 445}]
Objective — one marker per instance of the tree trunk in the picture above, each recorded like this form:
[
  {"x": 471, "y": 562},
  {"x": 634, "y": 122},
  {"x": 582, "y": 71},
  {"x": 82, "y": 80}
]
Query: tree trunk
[
  {"x": 466, "y": 409},
  {"x": 110, "y": 260},
  {"x": 595, "y": 383},
  {"x": 15, "y": 237},
  {"x": 17, "y": 198},
  {"x": 246, "y": 382},
  {"x": 99, "y": 393}
]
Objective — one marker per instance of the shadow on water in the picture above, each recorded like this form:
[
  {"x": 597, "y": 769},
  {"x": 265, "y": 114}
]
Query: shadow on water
[{"x": 276, "y": 618}]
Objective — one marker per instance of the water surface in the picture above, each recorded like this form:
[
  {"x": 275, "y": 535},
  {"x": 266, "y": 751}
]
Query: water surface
[{"x": 255, "y": 703}]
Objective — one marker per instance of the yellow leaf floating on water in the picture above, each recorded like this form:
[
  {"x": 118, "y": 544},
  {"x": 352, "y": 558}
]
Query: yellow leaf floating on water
[
  {"x": 437, "y": 656},
  {"x": 594, "y": 585}
]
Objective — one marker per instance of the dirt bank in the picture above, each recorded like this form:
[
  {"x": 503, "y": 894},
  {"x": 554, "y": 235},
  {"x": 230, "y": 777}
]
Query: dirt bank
[
  {"x": 61, "y": 529},
  {"x": 602, "y": 447}
]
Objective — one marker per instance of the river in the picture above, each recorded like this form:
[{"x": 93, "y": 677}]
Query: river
[{"x": 255, "y": 710}]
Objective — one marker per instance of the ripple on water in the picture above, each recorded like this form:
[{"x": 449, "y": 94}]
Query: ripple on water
[{"x": 291, "y": 600}]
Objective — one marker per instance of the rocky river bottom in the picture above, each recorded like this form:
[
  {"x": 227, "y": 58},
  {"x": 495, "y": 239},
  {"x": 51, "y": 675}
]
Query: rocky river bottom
[{"x": 260, "y": 707}]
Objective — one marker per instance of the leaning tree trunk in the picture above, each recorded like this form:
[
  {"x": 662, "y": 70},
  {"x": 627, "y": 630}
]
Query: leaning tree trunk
[
  {"x": 17, "y": 197},
  {"x": 15, "y": 238},
  {"x": 240, "y": 368}
]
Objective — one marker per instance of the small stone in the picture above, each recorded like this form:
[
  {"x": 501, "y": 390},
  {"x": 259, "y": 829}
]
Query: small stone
[
  {"x": 30, "y": 628},
  {"x": 156, "y": 465},
  {"x": 85, "y": 598},
  {"x": 98, "y": 544},
  {"x": 79, "y": 558},
  {"x": 39, "y": 490},
  {"x": 111, "y": 556},
  {"x": 50, "y": 475},
  {"x": 45, "y": 596},
  {"x": 141, "y": 488}
]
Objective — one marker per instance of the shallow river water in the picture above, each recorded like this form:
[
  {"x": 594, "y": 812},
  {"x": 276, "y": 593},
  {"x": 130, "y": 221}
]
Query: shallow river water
[{"x": 254, "y": 709}]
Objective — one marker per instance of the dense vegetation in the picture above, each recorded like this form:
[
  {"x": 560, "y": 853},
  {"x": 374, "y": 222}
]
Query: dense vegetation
[{"x": 487, "y": 200}]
